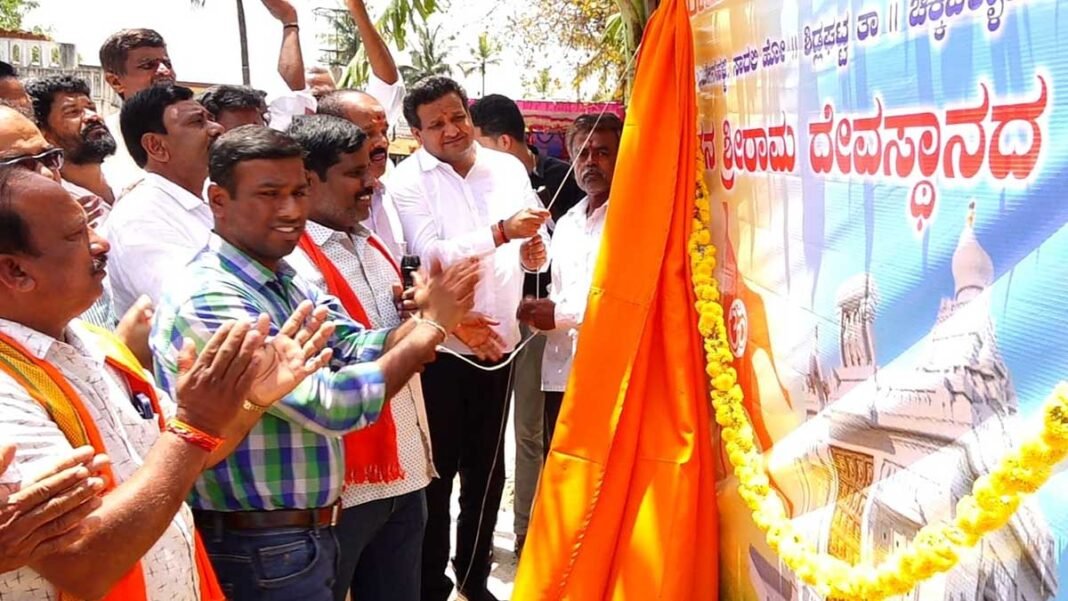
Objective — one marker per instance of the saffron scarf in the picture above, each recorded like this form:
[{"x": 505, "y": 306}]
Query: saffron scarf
[{"x": 371, "y": 452}]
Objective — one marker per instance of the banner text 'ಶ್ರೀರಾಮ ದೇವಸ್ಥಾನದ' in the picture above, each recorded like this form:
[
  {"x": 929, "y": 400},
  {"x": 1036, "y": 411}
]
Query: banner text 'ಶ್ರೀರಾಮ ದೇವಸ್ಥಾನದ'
[{"x": 887, "y": 197}]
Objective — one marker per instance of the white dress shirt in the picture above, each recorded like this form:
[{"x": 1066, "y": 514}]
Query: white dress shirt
[
  {"x": 384, "y": 220},
  {"x": 169, "y": 564},
  {"x": 372, "y": 277},
  {"x": 120, "y": 170},
  {"x": 448, "y": 217},
  {"x": 573, "y": 253},
  {"x": 154, "y": 231}
]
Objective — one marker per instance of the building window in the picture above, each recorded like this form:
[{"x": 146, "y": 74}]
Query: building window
[
  {"x": 16, "y": 54},
  {"x": 56, "y": 57},
  {"x": 35, "y": 56}
]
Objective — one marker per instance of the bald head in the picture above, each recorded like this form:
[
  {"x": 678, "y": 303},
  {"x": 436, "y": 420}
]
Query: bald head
[
  {"x": 364, "y": 111},
  {"x": 19, "y": 137}
]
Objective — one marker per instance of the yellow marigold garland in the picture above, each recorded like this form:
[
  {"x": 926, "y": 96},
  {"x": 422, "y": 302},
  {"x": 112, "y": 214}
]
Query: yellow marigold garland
[{"x": 937, "y": 547}]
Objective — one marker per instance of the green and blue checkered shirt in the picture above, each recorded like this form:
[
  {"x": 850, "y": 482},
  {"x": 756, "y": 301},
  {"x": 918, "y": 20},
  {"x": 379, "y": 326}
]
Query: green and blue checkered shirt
[{"x": 292, "y": 458}]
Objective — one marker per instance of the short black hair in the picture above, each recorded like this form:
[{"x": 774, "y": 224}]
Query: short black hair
[
  {"x": 43, "y": 93},
  {"x": 15, "y": 236},
  {"x": 117, "y": 47},
  {"x": 7, "y": 70},
  {"x": 231, "y": 98},
  {"x": 498, "y": 115},
  {"x": 591, "y": 122},
  {"x": 248, "y": 143},
  {"x": 428, "y": 90},
  {"x": 325, "y": 138},
  {"x": 143, "y": 113}
]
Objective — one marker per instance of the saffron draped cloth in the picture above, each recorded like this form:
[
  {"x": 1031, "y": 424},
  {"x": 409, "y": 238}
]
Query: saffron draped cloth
[{"x": 626, "y": 506}]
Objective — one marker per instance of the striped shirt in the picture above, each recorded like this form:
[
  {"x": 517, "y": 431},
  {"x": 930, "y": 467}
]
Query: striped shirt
[
  {"x": 292, "y": 458},
  {"x": 372, "y": 277}
]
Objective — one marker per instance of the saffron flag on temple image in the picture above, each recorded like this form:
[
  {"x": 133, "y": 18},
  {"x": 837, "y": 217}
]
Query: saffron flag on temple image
[{"x": 626, "y": 507}]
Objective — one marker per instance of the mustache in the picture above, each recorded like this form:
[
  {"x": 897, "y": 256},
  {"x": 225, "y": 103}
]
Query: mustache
[
  {"x": 100, "y": 263},
  {"x": 367, "y": 193},
  {"x": 88, "y": 129},
  {"x": 379, "y": 152},
  {"x": 591, "y": 172}
]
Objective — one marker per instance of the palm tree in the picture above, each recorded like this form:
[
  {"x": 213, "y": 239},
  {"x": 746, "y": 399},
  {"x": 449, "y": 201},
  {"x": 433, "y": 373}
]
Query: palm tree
[
  {"x": 242, "y": 33},
  {"x": 484, "y": 54},
  {"x": 542, "y": 85},
  {"x": 428, "y": 56}
]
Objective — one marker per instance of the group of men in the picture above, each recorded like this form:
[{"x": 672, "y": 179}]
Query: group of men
[{"x": 218, "y": 377}]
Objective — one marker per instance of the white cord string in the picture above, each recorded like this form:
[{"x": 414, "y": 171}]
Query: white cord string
[
  {"x": 495, "y": 366},
  {"x": 504, "y": 416}
]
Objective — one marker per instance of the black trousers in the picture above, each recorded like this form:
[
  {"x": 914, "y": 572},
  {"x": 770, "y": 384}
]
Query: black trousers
[
  {"x": 466, "y": 409},
  {"x": 553, "y": 401}
]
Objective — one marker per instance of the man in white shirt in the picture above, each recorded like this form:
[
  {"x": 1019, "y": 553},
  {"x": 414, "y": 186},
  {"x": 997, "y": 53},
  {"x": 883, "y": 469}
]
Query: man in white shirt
[
  {"x": 162, "y": 222},
  {"x": 380, "y": 531},
  {"x": 575, "y": 245},
  {"x": 132, "y": 60},
  {"x": 51, "y": 270},
  {"x": 458, "y": 200}
]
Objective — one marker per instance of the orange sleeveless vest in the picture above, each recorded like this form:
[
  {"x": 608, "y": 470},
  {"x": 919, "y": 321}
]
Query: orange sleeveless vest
[{"x": 54, "y": 393}]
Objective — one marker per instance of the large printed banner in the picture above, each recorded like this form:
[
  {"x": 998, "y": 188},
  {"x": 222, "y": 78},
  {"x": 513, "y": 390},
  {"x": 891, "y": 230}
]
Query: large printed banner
[{"x": 891, "y": 182}]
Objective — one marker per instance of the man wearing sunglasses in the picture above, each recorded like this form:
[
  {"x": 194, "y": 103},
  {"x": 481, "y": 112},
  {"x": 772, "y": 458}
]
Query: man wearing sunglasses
[{"x": 22, "y": 144}]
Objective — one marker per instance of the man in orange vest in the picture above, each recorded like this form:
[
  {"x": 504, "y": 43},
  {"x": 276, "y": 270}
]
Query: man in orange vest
[{"x": 64, "y": 384}]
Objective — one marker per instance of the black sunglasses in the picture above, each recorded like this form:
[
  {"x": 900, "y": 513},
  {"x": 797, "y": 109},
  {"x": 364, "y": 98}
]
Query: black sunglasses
[{"x": 51, "y": 158}]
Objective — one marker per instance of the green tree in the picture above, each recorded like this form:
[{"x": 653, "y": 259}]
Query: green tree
[
  {"x": 598, "y": 37},
  {"x": 429, "y": 55},
  {"x": 542, "y": 85},
  {"x": 396, "y": 20},
  {"x": 486, "y": 53},
  {"x": 13, "y": 11}
]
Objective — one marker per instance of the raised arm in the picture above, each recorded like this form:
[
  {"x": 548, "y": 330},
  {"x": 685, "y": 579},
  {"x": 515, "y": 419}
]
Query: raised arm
[
  {"x": 290, "y": 59},
  {"x": 378, "y": 55}
]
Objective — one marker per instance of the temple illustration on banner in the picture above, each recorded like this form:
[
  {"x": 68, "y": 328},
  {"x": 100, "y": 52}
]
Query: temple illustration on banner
[{"x": 905, "y": 443}]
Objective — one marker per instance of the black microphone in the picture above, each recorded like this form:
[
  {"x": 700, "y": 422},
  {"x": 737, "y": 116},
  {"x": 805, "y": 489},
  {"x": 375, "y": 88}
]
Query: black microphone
[{"x": 409, "y": 265}]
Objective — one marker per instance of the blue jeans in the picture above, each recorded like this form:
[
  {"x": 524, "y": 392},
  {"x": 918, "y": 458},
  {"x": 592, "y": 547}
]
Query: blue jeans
[
  {"x": 278, "y": 564},
  {"x": 381, "y": 544}
]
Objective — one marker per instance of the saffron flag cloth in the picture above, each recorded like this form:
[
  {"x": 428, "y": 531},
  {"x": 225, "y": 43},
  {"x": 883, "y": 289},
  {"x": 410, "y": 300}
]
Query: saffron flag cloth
[{"x": 626, "y": 507}]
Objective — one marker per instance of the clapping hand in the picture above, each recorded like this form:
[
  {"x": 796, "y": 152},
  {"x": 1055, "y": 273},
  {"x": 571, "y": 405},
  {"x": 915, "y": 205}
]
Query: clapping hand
[
  {"x": 447, "y": 295},
  {"x": 48, "y": 513},
  {"x": 293, "y": 354}
]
